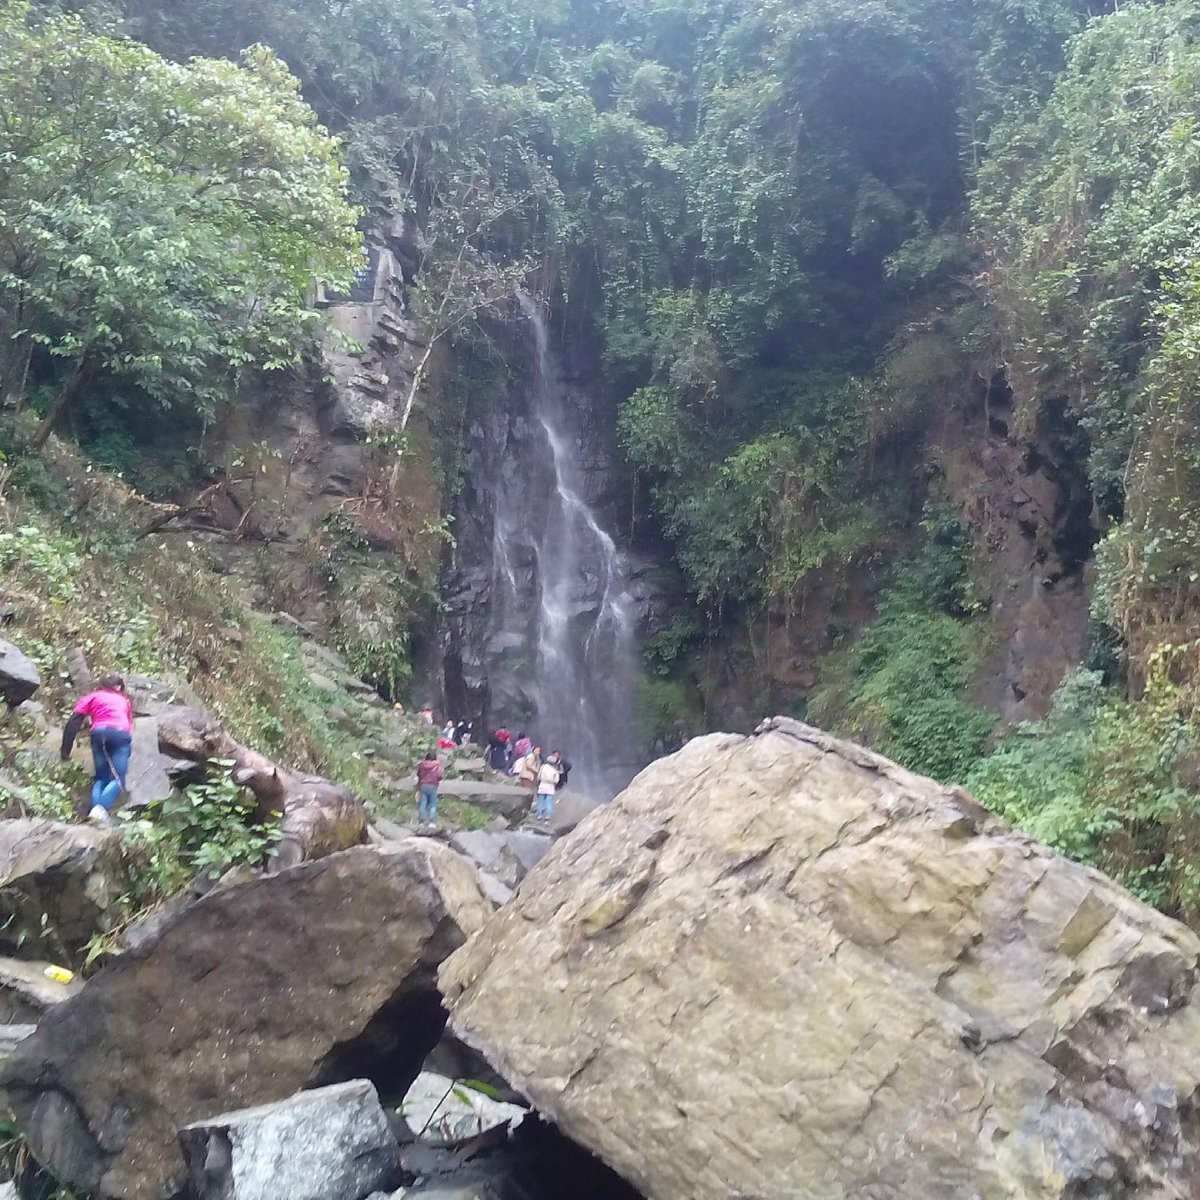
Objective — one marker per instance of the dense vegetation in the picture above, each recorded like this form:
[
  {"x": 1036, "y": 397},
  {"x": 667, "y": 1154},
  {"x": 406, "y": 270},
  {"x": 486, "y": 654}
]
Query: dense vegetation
[{"x": 798, "y": 237}]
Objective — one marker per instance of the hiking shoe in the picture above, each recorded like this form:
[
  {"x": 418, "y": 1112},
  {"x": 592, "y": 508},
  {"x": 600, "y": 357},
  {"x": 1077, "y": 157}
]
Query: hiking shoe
[{"x": 98, "y": 815}]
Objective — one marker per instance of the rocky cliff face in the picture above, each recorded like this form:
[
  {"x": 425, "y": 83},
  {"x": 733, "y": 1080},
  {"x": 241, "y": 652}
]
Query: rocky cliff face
[
  {"x": 309, "y": 489},
  {"x": 1028, "y": 505},
  {"x": 782, "y": 966}
]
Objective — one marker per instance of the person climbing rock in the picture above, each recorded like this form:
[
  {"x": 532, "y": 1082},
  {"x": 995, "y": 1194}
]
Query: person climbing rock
[
  {"x": 429, "y": 777},
  {"x": 547, "y": 784},
  {"x": 521, "y": 747},
  {"x": 111, "y": 715}
]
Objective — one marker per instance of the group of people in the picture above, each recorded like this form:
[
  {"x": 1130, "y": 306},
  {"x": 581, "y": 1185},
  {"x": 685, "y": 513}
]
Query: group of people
[
  {"x": 518, "y": 757},
  {"x": 523, "y": 760},
  {"x": 110, "y": 713}
]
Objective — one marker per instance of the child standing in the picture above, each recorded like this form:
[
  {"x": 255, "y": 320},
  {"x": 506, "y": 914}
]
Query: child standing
[{"x": 429, "y": 777}]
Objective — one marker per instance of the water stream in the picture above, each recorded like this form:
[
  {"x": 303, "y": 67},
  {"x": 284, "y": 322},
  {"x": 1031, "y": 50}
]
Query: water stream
[{"x": 547, "y": 627}]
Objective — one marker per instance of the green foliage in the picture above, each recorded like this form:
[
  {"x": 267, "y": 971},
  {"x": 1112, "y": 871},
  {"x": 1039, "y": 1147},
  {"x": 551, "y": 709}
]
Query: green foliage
[
  {"x": 386, "y": 665},
  {"x": 162, "y": 221},
  {"x": 52, "y": 562},
  {"x": 667, "y": 713},
  {"x": 745, "y": 199},
  {"x": 902, "y": 687},
  {"x": 910, "y": 672},
  {"x": 1088, "y": 210},
  {"x": 664, "y": 650},
  {"x": 205, "y": 828},
  {"x": 47, "y": 787},
  {"x": 1103, "y": 781}
]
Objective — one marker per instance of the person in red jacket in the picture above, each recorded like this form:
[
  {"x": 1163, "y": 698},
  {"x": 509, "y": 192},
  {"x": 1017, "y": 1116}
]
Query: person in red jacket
[{"x": 429, "y": 776}]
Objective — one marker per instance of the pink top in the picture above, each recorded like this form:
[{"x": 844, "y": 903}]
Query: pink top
[{"x": 108, "y": 710}]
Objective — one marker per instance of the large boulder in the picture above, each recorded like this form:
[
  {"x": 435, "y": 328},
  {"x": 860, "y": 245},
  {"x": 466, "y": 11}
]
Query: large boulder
[
  {"x": 509, "y": 800},
  {"x": 781, "y": 965},
  {"x": 304, "y": 978},
  {"x": 153, "y": 773},
  {"x": 60, "y": 885},
  {"x": 19, "y": 677}
]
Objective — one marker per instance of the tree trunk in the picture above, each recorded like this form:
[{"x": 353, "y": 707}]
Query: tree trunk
[
  {"x": 417, "y": 379},
  {"x": 316, "y": 816},
  {"x": 79, "y": 383},
  {"x": 15, "y": 353}
]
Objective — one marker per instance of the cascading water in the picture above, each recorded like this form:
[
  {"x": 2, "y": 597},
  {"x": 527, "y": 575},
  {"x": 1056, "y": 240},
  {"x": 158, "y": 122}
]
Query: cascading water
[{"x": 547, "y": 640}]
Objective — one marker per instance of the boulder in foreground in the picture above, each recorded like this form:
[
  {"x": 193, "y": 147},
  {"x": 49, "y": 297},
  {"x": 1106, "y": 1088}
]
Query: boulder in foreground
[
  {"x": 331, "y": 1143},
  {"x": 781, "y": 965},
  {"x": 60, "y": 885},
  {"x": 309, "y": 977}
]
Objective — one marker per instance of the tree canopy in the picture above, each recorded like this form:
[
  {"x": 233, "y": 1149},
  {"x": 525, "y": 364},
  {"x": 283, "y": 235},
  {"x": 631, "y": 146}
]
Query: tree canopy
[
  {"x": 159, "y": 222},
  {"x": 795, "y": 235}
]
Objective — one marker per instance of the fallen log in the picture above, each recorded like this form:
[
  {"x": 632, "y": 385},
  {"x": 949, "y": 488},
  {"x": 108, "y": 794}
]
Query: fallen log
[{"x": 316, "y": 816}]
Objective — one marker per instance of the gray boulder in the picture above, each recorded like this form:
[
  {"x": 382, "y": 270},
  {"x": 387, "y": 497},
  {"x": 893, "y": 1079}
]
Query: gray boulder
[
  {"x": 569, "y": 809},
  {"x": 510, "y": 800},
  {"x": 11, "y": 1036},
  {"x": 317, "y": 974},
  {"x": 59, "y": 886},
  {"x": 508, "y": 856},
  {"x": 153, "y": 773},
  {"x": 332, "y": 1143},
  {"x": 19, "y": 677}
]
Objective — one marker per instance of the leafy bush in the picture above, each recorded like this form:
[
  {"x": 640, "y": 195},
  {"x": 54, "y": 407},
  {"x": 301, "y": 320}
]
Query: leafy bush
[
  {"x": 385, "y": 665},
  {"x": 667, "y": 713},
  {"x": 1105, "y": 781},
  {"x": 205, "y": 828},
  {"x": 902, "y": 687},
  {"x": 907, "y": 699},
  {"x": 663, "y": 650},
  {"x": 52, "y": 562}
]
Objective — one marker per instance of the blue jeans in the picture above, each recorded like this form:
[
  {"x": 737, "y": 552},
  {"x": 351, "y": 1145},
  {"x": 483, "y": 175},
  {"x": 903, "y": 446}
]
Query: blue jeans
[
  {"x": 110, "y": 756},
  {"x": 427, "y": 805},
  {"x": 545, "y": 806}
]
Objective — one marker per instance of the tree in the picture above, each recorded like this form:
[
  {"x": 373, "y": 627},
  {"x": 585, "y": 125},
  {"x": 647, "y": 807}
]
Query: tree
[{"x": 159, "y": 222}]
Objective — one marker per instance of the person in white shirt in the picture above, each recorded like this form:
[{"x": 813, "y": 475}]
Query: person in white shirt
[{"x": 547, "y": 785}]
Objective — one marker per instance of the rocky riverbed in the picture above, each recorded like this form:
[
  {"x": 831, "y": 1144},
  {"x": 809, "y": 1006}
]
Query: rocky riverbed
[{"x": 776, "y": 965}]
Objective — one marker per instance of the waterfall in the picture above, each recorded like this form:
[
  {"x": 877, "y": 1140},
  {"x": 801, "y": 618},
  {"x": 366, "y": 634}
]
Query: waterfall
[{"x": 546, "y": 630}]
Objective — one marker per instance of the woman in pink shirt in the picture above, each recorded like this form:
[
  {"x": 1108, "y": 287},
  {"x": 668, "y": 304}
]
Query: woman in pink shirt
[{"x": 112, "y": 729}]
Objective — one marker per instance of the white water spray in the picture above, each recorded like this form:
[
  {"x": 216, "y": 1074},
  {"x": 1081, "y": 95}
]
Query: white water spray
[{"x": 574, "y": 635}]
